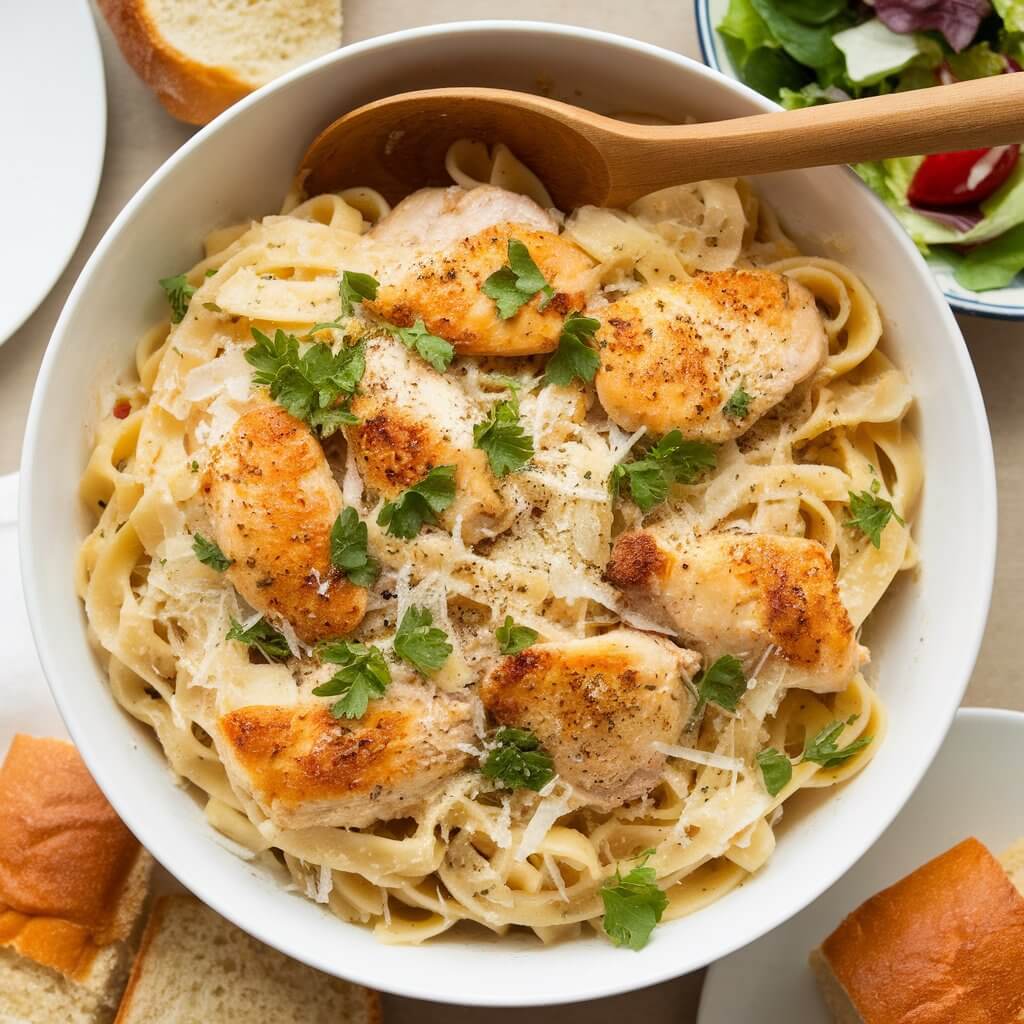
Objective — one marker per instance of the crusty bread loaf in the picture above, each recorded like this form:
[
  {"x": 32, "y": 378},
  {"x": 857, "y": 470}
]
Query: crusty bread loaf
[
  {"x": 200, "y": 56},
  {"x": 196, "y": 968},
  {"x": 73, "y": 882},
  {"x": 945, "y": 945}
]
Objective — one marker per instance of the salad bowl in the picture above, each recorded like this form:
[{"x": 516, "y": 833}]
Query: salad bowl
[{"x": 965, "y": 212}]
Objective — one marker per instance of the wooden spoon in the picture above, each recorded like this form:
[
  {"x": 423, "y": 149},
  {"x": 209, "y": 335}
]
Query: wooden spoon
[{"x": 398, "y": 144}]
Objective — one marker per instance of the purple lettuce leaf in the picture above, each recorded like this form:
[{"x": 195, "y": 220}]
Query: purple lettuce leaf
[{"x": 957, "y": 20}]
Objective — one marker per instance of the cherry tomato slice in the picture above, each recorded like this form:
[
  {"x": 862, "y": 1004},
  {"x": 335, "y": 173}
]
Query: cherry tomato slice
[{"x": 945, "y": 178}]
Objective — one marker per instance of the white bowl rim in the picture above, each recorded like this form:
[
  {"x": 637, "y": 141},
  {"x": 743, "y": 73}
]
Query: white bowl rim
[
  {"x": 654, "y": 964},
  {"x": 707, "y": 37}
]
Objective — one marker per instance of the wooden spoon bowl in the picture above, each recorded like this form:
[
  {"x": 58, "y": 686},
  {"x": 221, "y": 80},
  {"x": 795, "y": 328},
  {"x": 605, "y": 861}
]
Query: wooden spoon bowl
[{"x": 398, "y": 144}]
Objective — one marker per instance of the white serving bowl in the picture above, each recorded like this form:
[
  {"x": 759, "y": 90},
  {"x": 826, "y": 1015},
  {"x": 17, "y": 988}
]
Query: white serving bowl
[
  {"x": 925, "y": 640},
  {"x": 997, "y": 304}
]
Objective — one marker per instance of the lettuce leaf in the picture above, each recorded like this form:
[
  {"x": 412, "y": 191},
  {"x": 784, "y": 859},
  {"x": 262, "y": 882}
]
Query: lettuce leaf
[
  {"x": 1003, "y": 210},
  {"x": 744, "y": 31},
  {"x": 769, "y": 71},
  {"x": 957, "y": 20},
  {"x": 873, "y": 51},
  {"x": 811, "y": 95},
  {"x": 807, "y": 44},
  {"x": 978, "y": 61},
  {"x": 1012, "y": 13},
  {"x": 995, "y": 264}
]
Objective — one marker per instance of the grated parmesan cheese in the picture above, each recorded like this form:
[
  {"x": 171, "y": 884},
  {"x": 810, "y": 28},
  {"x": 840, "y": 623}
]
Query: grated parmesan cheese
[{"x": 707, "y": 758}]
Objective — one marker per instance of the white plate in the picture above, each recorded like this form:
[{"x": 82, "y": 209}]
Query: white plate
[
  {"x": 973, "y": 788},
  {"x": 53, "y": 107},
  {"x": 997, "y": 304}
]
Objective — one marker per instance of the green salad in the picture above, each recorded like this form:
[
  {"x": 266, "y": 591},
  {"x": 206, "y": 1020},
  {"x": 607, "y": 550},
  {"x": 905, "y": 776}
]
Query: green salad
[{"x": 804, "y": 52}]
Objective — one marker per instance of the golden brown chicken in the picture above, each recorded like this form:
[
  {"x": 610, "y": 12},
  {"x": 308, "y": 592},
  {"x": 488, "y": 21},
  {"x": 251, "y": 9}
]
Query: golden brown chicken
[
  {"x": 597, "y": 705},
  {"x": 411, "y": 420},
  {"x": 304, "y": 768},
  {"x": 733, "y": 593},
  {"x": 272, "y": 501},
  {"x": 672, "y": 356},
  {"x": 441, "y": 281}
]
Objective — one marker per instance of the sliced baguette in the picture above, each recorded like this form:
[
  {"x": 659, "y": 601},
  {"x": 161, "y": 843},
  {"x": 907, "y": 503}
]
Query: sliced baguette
[
  {"x": 73, "y": 884},
  {"x": 200, "y": 56},
  {"x": 942, "y": 945},
  {"x": 196, "y": 968}
]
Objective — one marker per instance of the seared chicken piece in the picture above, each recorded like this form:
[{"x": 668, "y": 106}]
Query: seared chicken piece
[
  {"x": 303, "y": 767},
  {"x": 673, "y": 355},
  {"x": 272, "y": 501},
  {"x": 433, "y": 219},
  {"x": 451, "y": 255},
  {"x": 411, "y": 420},
  {"x": 731, "y": 593},
  {"x": 597, "y": 705}
]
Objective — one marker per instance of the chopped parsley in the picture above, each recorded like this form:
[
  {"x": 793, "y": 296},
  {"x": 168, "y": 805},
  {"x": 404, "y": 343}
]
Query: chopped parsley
[
  {"x": 209, "y": 554},
  {"x": 314, "y": 386},
  {"x": 349, "y": 549},
  {"x": 212, "y": 307},
  {"x": 261, "y": 635},
  {"x": 362, "y": 676},
  {"x": 671, "y": 460},
  {"x": 193, "y": 466},
  {"x": 517, "y": 282},
  {"x": 575, "y": 358},
  {"x": 179, "y": 293},
  {"x": 871, "y": 514},
  {"x": 721, "y": 683},
  {"x": 419, "y": 642},
  {"x": 508, "y": 447},
  {"x": 519, "y": 761},
  {"x": 823, "y": 749},
  {"x": 421, "y": 503},
  {"x": 776, "y": 770},
  {"x": 355, "y": 287},
  {"x": 434, "y": 350},
  {"x": 738, "y": 406},
  {"x": 633, "y": 905},
  {"x": 512, "y": 638}
]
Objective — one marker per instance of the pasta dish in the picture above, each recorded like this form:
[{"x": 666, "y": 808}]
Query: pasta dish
[{"x": 480, "y": 564}]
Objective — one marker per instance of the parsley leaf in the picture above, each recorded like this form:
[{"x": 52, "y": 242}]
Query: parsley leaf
[
  {"x": 738, "y": 406},
  {"x": 313, "y": 386},
  {"x": 354, "y": 288},
  {"x": 363, "y": 675},
  {"x": 574, "y": 357},
  {"x": 509, "y": 448},
  {"x": 776, "y": 770},
  {"x": 419, "y": 642},
  {"x": 179, "y": 293},
  {"x": 421, "y": 503},
  {"x": 671, "y": 460},
  {"x": 209, "y": 554},
  {"x": 721, "y": 683},
  {"x": 348, "y": 549},
  {"x": 633, "y": 905},
  {"x": 261, "y": 635},
  {"x": 517, "y": 282},
  {"x": 871, "y": 514},
  {"x": 436, "y": 351},
  {"x": 512, "y": 638},
  {"x": 822, "y": 748},
  {"x": 519, "y": 761}
]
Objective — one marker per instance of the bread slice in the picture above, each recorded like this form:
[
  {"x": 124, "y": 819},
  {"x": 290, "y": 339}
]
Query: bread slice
[
  {"x": 943, "y": 945},
  {"x": 1012, "y": 861},
  {"x": 196, "y": 968},
  {"x": 73, "y": 883},
  {"x": 200, "y": 56}
]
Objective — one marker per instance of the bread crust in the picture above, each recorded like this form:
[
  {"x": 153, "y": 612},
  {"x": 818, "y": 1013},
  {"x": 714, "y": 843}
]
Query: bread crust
[
  {"x": 192, "y": 92},
  {"x": 943, "y": 944}
]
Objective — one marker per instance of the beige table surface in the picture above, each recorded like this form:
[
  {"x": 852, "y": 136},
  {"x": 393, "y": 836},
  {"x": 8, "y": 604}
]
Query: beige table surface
[{"x": 141, "y": 136}]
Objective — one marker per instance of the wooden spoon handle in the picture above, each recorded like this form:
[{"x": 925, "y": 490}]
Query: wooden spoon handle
[{"x": 964, "y": 115}]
